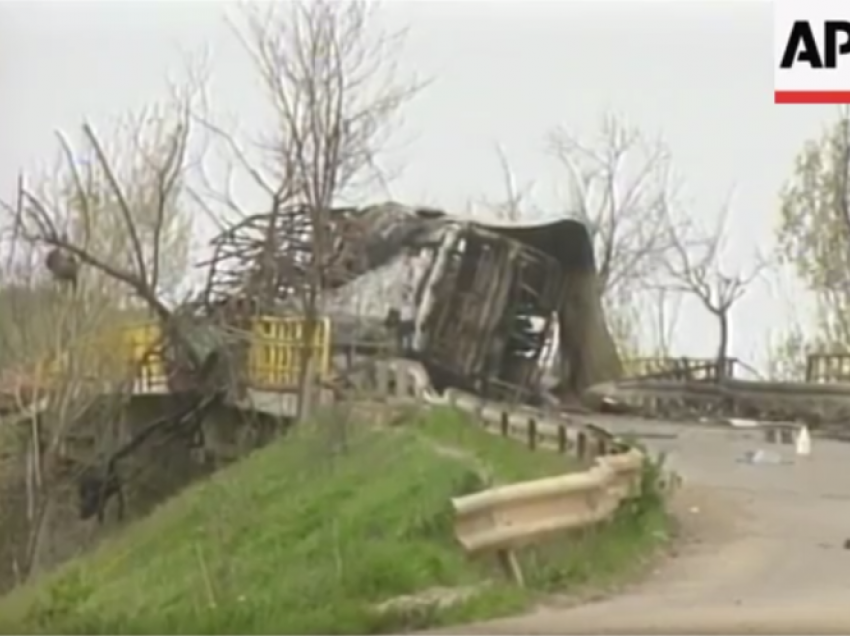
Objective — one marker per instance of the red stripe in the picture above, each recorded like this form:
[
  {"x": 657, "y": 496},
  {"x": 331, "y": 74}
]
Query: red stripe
[{"x": 811, "y": 97}]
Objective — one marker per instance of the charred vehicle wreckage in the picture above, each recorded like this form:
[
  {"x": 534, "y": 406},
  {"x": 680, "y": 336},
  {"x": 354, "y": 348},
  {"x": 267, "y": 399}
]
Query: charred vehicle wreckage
[
  {"x": 477, "y": 303},
  {"x": 510, "y": 312},
  {"x": 507, "y": 311}
]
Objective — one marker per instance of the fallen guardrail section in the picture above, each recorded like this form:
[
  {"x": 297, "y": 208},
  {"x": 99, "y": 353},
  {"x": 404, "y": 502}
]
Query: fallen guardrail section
[
  {"x": 516, "y": 515},
  {"x": 506, "y": 518}
]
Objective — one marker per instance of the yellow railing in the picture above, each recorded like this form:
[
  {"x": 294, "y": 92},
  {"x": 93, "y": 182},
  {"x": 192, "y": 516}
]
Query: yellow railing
[
  {"x": 274, "y": 355},
  {"x": 277, "y": 350},
  {"x": 141, "y": 347}
]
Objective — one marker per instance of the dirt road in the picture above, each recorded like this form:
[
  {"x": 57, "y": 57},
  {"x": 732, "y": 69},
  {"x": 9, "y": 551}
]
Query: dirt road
[{"x": 764, "y": 549}]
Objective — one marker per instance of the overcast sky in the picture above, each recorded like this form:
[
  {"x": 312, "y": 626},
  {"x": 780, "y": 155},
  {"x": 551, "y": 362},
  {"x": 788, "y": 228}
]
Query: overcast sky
[{"x": 698, "y": 73}]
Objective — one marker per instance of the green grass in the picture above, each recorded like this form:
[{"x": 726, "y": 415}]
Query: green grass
[{"x": 308, "y": 537}]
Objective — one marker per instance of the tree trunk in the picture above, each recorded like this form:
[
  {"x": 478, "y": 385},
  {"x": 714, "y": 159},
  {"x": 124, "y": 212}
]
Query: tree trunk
[{"x": 723, "y": 343}]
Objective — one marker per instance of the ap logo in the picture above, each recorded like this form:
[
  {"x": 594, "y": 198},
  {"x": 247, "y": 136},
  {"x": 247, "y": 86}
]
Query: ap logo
[{"x": 811, "y": 51}]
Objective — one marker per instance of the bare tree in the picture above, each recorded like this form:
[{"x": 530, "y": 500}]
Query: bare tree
[
  {"x": 329, "y": 76},
  {"x": 114, "y": 212},
  {"x": 148, "y": 157},
  {"x": 516, "y": 202},
  {"x": 120, "y": 210},
  {"x": 620, "y": 185},
  {"x": 57, "y": 354},
  {"x": 662, "y": 311},
  {"x": 117, "y": 211},
  {"x": 786, "y": 354},
  {"x": 696, "y": 268}
]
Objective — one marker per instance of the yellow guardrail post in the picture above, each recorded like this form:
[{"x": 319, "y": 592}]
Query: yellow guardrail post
[
  {"x": 142, "y": 349},
  {"x": 277, "y": 347}
]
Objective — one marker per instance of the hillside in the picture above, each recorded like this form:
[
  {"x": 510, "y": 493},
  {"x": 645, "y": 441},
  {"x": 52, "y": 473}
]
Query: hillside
[{"x": 311, "y": 535}]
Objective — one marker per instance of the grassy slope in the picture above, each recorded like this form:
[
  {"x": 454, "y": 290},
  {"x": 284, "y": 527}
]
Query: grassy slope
[{"x": 293, "y": 540}]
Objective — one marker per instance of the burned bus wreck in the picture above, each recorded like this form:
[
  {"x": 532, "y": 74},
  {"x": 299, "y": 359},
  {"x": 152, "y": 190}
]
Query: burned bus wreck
[{"x": 478, "y": 304}]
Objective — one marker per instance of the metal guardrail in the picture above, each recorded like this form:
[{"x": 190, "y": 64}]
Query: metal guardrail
[
  {"x": 814, "y": 402},
  {"x": 403, "y": 382},
  {"x": 680, "y": 368},
  {"x": 502, "y": 519},
  {"x": 508, "y": 517},
  {"x": 828, "y": 368},
  {"x": 516, "y": 515}
]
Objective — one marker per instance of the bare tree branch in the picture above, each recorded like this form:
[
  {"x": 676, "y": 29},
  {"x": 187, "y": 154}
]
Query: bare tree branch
[
  {"x": 621, "y": 188},
  {"x": 662, "y": 309},
  {"x": 119, "y": 210},
  {"x": 696, "y": 268},
  {"x": 329, "y": 76},
  {"x": 516, "y": 203}
]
